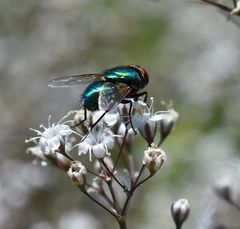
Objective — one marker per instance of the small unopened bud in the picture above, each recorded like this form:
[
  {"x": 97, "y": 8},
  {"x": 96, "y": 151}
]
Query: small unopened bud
[
  {"x": 180, "y": 211},
  {"x": 224, "y": 192},
  {"x": 154, "y": 158},
  {"x": 108, "y": 161},
  {"x": 77, "y": 173},
  {"x": 236, "y": 10},
  {"x": 167, "y": 124},
  {"x": 128, "y": 139},
  {"x": 148, "y": 131},
  {"x": 60, "y": 161}
]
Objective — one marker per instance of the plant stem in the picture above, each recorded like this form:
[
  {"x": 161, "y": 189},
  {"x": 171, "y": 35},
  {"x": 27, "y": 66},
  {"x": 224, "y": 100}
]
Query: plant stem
[
  {"x": 114, "y": 198},
  {"x": 133, "y": 188},
  {"x": 129, "y": 195},
  {"x": 98, "y": 203},
  {"x": 131, "y": 165},
  {"x": 179, "y": 226},
  {"x": 122, "y": 224},
  {"x": 139, "y": 175},
  {"x": 111, "y": 173},
  {"x": 144, "y": 180}
]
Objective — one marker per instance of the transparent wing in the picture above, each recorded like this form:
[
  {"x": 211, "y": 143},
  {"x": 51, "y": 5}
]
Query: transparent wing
[
  {"x": 111, "y": 95},
  {"x": 70, "y": 81}
]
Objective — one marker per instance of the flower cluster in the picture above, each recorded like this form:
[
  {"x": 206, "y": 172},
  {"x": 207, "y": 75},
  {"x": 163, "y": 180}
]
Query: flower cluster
[{"x": 111, "y": 140}]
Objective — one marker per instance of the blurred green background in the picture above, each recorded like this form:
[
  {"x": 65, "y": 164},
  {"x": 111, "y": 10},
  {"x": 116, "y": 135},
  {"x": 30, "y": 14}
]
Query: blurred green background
[{"x": 192, "y": 55}]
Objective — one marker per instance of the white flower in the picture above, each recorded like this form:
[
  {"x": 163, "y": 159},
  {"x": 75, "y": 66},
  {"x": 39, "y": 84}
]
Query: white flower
[
  {"x": 97, "y": 142},
  {"x": 52, "y": 137},
  {"x": 142, "y": 113},
  {"x": 146, "y": 121},
  {"x": 167, "y": 122},
  {"x": 154, "y": 158},
  {"x": 77, "y": 173},
  {"x": 180, "y": 211},
  {"x": 169, "y": 116}
]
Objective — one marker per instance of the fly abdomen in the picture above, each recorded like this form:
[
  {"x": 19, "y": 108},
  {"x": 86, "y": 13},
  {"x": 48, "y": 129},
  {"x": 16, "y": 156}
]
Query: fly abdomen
[{"x": 90, "y": 96}]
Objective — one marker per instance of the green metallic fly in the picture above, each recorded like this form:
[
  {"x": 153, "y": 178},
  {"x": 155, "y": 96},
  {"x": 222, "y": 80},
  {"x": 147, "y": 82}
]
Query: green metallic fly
[{"x": 105, "y": 91}]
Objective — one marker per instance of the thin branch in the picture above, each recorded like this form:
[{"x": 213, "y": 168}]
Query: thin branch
[
  {"x": 121, "y": 149},
  {"x": 101, "y": 192},
  {"x": 100, "y": 204},
  {"x": 139, "y": 175},
  {"x": 144, "y": 180},
  {"x": 115, "y": 200},
  {"x": 131, "y": 166},
  {"x": 111, "y": 173},
  {"x": 220, "y": 6}
]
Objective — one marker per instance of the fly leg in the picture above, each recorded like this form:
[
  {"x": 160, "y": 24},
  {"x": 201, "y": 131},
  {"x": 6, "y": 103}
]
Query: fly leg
[
  {"x": 126, "y": 101},
  {"x": 93, "y": 125},
  {"x": 144, "y": 94},
  {"x": 99, "y": 119},
  {"x": 84, "y": 118}
]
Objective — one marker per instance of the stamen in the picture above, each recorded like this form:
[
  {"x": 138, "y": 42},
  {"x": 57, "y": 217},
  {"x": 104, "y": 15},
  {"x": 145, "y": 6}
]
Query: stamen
[
  {"x": 100, "y": 132},
  {"x": 106, "y": 150},
  {"x": 77, "y": 133},
  {"x": 90, "y": 154},
  {"x": 37, "y": 131},
  {"x": 151, "y": 108},
  {"x": 42, "y": 126},
  {"x": 61, "y": 139},
  {"x": 49, "y": 121},
  {"x": 68, "y": 114},
  {"x": 68, "y": 121},
  {"x": 31, "y": 139}
]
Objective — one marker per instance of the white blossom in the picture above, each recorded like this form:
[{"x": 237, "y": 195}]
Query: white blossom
[
  {"x": 146, "y": 120},
  {"x": 51, "y": 138},
  {"x": 98, "y": 142}
]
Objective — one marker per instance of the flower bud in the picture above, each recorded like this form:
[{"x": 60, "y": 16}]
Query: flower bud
[
  {"x": 236, "y": 10},
  {"x": 154, "y": 158},
  {"x": 168, "y": 124},
  {"x": 148, "y": 131},
  {"x": 180, "y": 211},
  {"x": 77, "y": 173},
  {"x": 108, "y": 161},
  {"x": 224, "y": 192},
  {"x": 59, "y": 160},
  {"x": 128, "y": 139}
]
